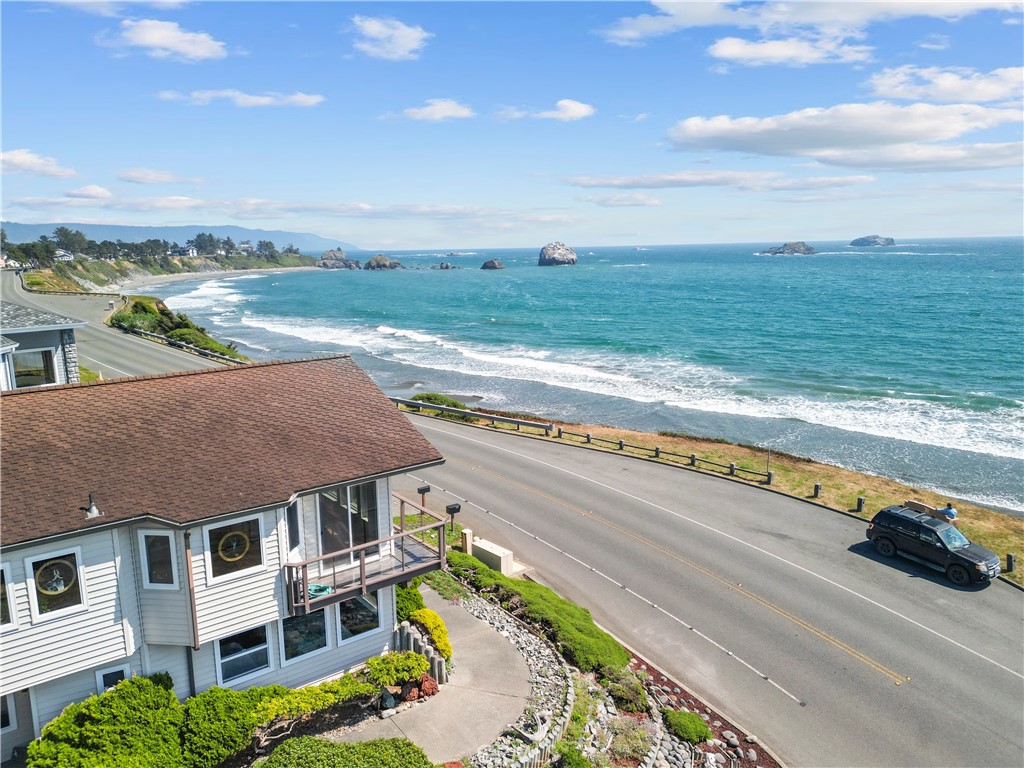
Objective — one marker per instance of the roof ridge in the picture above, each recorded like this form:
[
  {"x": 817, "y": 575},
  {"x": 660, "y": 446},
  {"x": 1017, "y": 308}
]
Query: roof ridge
[{"x": 173, "y": 374}]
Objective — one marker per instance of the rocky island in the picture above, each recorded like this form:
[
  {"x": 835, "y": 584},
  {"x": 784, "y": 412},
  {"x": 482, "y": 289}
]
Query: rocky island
[
  {"x": 873, "y": 240},
  {"x": 492, "y": 264},
  {"x": 380, "y": 261},
  {"x": 337, "y": 260},
  {"x": 799, "y": 248},
  {"x": 556, "y": 254}
]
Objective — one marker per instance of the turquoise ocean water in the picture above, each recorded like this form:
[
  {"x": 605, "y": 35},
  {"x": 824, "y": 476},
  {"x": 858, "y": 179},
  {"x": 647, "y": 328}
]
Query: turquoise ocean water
[{"x": 903, "y": 361}]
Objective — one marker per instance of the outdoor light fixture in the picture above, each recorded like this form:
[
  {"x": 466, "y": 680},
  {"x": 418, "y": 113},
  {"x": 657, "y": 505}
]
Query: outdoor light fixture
[
  {"x": 92, "y": 510},
  {"x": 453, "y": 510},
  {"x": 423, "y": 490}
]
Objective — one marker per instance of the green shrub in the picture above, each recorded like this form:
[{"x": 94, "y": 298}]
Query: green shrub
[
  {"x": 569, "y": 756},
  {"x": 567, "y": 625},
  {"x": 396, "y": 668},
  {"x": 631, "y": 739},
  {"x": 448, "y": 402},
  {"x": 163, "y": 679},
  {"x": 218, "y": 723},
  {"x": 407, "y": 600},
  {"x": 434, "y": 624},
  {"x": 688, "y": 726},
  {"x": 302, "y": 701},
  {"x": 197, "y": 338},
  {"x": 308, "y": 751},
  {"x": 135, "y": 724},
  {"x": 626, "y": 691}
]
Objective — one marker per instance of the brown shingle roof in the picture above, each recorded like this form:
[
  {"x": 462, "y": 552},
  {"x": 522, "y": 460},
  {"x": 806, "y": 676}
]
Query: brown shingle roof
[{"x": 189, "y": 446}]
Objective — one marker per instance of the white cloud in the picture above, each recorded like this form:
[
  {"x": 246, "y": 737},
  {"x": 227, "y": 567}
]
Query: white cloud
[
  {"x": 511, "y": 113},
  {"x": 389, "y": 39},
  {"x": 636, "y": 200},
  {"x": 791, "y": 51},
  {"x": 152, "y": 176},
  {"x": 928, "y": 158},
  {"x": 437, "y": 110},
  {"x": 91, "y": 192},
  {"x": 813, "y": 132},
  {"x": 245, "y": 100},
  {"x": 567, "y": 110},
  {"x": 27, "y": 161},
  {"x": 167, "y": 40},
  {"x": 951, "y": 84},
  {"x": 115, "y": 9},
  {"x": 746, "y": 180},
  {"x": 934, "y": 42}
]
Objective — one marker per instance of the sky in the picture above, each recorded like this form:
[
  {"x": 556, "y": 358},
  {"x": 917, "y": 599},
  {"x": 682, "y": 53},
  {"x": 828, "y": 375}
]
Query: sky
[{"x": 456, "y": 125}]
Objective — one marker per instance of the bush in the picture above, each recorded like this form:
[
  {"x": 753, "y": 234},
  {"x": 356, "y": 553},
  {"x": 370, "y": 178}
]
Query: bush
[
  {"x": 688, "y": 726},
  {"x": 302, "y": 701},
  {"x": 407, "y": 600},
  {"x": 569, "y": 756},
  {"x": 627, "y": 692},
  {"x": 631, "y": 739},
  {"x": 218, "y": 723},
  {"x": 380, "y": 753},
  {"x": 163, "y": 679},
  {"x": 434, "y": 625},
  {"x": 196, "y": 338},
  {"x": 567, "y": 625},
  {"x": 448, "y": 402},
  {"x": 135, "y": 724},
  {"x": 396, "y": 668}
]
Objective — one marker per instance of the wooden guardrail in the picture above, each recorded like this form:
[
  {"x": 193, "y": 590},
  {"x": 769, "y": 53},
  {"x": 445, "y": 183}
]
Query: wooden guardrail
[
  {"x": 181, "y": 345},
  {"x": 420, "y": 405}
]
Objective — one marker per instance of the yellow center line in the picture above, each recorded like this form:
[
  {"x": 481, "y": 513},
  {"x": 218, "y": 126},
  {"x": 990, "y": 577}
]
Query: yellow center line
[{"x": 821, "y": 634}]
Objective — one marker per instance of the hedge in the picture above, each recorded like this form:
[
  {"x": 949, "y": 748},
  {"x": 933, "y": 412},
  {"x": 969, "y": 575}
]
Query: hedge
[
  {"x": 309, "y": 751},
  {"x": 407, "y": 600},
  {"x": 567, "y": 625},
  {"x": 434, "y": 624}
]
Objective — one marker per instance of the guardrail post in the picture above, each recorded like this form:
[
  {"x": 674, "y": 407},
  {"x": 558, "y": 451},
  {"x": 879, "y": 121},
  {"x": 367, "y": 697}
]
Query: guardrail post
[
  {"x": 559, "y": 433},
  {"x": 657, "y": 452},
  {"x": 860, "y": 503},
  {"x": 732, "y": 469},
  {"x": 771, "y": 476},
  {"x": 1011, "y": 562},
  {"x": 590, "y": 437},
  {"x": 693, "y": 459},
  {"x": 622, "y": 445},
  {"x": 817, "y": 491}
]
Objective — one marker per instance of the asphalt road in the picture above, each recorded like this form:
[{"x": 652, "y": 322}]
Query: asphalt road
[
  {"x": 111, "y": 352},
  {"x": 777, "y": 612},
  {"x": 774, "y": 610}
]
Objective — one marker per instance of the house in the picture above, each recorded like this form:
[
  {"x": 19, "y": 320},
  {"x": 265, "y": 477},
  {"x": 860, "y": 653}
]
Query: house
[
  {"x": 39, "y": 347},
  {"x": 62, "y": 255},
  {"x": 230, "y": 526}
]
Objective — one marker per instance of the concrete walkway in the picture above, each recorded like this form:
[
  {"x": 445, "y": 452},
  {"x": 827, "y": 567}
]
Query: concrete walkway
[{"x": 488, "y": 689}]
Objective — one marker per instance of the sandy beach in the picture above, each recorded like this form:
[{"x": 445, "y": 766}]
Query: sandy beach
[{"x": 134, "y": 285}]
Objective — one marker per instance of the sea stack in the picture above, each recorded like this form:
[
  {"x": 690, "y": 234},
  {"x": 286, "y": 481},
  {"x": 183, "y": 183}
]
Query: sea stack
[
  {"x": 337, "y": 260},
  {"x": 492, "y": 264},
  {"x": 799, "y": 248},
  {"x": 556, "y": 254},
  {"x": 380, "y": 261},
  {"x": 873, "y": 240}
]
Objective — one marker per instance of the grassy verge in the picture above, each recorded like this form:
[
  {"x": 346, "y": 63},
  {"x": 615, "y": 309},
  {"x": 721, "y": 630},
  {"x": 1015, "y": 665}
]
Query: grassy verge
[
  {"x": 45, "y": 280},
  {"x": 148, "y": 313},
  {"x": 85, "y": 375},
  {"x": 1001, "y": 532}
]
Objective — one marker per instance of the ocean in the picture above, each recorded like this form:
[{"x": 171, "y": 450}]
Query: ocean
[{"x": 904, "y": 361}]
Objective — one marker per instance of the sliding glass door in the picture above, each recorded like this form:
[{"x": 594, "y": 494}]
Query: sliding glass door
[{"x": 348, "y": 518}]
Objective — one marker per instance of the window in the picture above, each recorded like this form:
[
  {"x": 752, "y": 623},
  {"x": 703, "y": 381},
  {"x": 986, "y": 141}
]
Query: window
[
  {"x": 235, "y": 547},
  {"x": 33, "y": 367},
  {"x": 8, "y": 715},
  {"x": 108, "y": 678},
  {"x": 294, "y": 531},
  {"x": 358, "y": 615},
  {"x": 302, "y": 635},
  {"x": 56, "y": 583},
  {"x": 6, "y": 600},
  {"x": 348, "y": 518},
  {"x": 159, "y": 559},
  {"x": 243, "y": 654}
]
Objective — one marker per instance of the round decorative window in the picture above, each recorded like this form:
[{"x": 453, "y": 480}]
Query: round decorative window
[
  {"x": 233, "y": 545},
  {"x": 55, "y": 577}
]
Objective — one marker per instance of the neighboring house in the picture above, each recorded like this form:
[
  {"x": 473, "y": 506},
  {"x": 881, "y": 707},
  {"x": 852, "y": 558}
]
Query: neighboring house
[
  {"x": 62, "y": 255},
  {"x": 230, "y": 526},
  {"x": 43, "y": 351}
]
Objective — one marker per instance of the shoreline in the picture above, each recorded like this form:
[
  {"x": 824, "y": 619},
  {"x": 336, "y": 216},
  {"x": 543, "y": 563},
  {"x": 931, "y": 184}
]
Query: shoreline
[{"x": 134, "y": 284}]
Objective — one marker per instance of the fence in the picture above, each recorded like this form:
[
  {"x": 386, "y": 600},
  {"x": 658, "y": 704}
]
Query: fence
[
  {"x": 493, "y": 418},
  {"x": 181, "y": 345}
]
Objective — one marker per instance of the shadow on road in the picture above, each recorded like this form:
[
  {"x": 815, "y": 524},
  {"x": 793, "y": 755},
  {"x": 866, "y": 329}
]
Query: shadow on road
[{"x": 910, "y": 568}]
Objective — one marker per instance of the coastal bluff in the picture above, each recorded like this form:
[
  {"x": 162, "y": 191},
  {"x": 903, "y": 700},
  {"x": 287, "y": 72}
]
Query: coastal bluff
[
  {"x": 873, "y": 240},
  {"x": 556, "y": 254},
  {"x": 798, "y": 248}
]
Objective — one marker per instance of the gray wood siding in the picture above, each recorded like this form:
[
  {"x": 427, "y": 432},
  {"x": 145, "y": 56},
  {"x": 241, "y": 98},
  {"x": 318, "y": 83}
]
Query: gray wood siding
[
  {"x": 233, "y": 604},
  {"x": 52, "y": 697},
  {"x": 38, "y": 652},
  {"x": 166, "y": 613},
  {"x": 24, "y": 733},
  {"x": 173, "y": 660}
]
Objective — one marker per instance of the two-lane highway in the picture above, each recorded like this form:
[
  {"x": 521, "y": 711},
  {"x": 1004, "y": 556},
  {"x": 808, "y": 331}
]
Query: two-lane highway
[{"x": 775, "y": 610}]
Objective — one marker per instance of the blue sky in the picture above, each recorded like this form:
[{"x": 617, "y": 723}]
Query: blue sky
[{"x": 463, "y": 124}]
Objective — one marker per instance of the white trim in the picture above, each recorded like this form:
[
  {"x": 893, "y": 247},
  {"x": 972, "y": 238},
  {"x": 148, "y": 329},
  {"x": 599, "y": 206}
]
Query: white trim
[
  {"x": 12, "y": 713},
  {"x": 53, "y": 361},
  {"x": 342, "y": 640},
  {"x": 144, "y": 558},
  {"x": 248, "y": 675},
  {"x": 296, "y": 552},
  {"x": 211, "y": 580},
  {"x": 125, "y": 668},
  {"x": 12, "y": 608},
  {"x": 30, "y": 580},
  {"x": 328, "y": 640}
]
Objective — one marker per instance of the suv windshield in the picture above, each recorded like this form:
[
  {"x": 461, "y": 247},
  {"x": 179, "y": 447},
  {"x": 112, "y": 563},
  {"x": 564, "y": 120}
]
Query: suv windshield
[{"x": 953, "y": 539}]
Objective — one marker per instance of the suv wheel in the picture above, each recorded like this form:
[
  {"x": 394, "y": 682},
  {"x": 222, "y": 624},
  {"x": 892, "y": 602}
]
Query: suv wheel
[
  {"x": 958, "y": 575},
  {"x": 885, "y": 547}
]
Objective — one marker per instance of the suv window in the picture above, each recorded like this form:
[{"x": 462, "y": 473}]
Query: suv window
[
  {"x": 903, "y": 525},
  {"x": 928, "y": 536}
]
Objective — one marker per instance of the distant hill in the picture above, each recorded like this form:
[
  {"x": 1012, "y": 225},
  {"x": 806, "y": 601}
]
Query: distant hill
[{"x": 304, "y": 241}]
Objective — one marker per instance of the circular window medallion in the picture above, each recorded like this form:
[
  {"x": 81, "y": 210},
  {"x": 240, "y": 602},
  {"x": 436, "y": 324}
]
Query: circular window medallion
[
  {"x": 55, "y": 577},
  {"x": 233, "y": 546}
]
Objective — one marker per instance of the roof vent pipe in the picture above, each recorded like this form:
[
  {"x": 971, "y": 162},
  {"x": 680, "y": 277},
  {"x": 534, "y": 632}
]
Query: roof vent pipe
[{"x": 92, "y": 511}]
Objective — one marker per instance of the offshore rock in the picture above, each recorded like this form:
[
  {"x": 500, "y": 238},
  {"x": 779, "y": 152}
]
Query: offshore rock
[
  {"x": 492, "y": 264},
  {"x": 380, "y": 261},
  {"x": 873, "y": 240},
  {"x": 799, "y": 248},
  {"x": 556, "y": 255},
  {"x": 337, "y": 260}
]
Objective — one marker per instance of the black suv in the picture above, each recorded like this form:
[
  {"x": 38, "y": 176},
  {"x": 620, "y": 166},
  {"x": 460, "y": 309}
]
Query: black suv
[{"x": 935, "y": 543}]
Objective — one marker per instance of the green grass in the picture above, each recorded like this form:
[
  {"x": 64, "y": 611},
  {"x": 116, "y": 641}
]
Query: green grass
[{"x": 85, "y": 375}]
